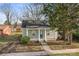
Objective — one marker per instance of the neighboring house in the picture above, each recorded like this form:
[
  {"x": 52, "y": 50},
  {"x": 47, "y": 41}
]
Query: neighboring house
[
  {"x": 38, "y": 30},
  {"x": 10, "y": 29},
  {"x": 5, "y": 29}
]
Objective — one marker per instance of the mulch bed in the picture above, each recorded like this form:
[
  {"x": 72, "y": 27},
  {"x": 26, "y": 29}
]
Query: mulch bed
[
  {"x": 34, "y": 43},
  {"x": 27, "y": 48}
]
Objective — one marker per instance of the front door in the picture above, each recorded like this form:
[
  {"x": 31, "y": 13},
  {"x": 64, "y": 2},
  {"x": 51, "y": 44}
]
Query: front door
[{"x": 41, "y": 35}]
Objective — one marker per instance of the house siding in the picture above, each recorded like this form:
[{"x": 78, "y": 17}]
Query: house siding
[
  {"x": 52, "y": 35},
  {"x": 23, "y": 31}
]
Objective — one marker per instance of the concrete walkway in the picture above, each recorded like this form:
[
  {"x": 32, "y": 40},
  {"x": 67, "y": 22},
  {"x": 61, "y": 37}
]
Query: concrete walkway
[
  {"x": 49, "y": 51},
  {"x": 41, "y": 53},
  {"x": 65, "y": 51}
]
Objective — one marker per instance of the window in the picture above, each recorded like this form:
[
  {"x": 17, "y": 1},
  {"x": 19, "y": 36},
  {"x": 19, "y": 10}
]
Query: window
[{"x": 33, "y": 34}]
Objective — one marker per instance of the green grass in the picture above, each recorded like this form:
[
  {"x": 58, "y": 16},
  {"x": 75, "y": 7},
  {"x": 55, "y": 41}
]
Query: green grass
[
  {"x": 8, "y": 38},
  {"x": 66, "y": 54},
  {"x": 3, "y": 40}
]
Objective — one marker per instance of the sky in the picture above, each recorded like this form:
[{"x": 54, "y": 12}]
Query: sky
[
  {"x": 18, "y": 8},
  {"x": 14, "y": 6},
  {"x": 2, "y": 18}
]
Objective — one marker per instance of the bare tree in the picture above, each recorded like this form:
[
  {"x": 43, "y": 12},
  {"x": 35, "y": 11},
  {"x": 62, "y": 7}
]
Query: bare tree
[
  {"x": 6, "y": 9},
  {"x": 32, "y": 12}
]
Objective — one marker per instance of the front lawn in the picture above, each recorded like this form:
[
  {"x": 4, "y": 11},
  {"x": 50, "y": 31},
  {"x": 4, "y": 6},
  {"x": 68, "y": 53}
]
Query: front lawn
[
  {"x": 60, "y": 47},
  {"x": 36, "y": 46},
  {"x": 26, "y": 48}
]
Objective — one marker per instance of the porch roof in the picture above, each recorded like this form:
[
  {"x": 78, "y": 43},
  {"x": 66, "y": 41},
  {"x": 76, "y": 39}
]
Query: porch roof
[{"x": 34, "y": 23}]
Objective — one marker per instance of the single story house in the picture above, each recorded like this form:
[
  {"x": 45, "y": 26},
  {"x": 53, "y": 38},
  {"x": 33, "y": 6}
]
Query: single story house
[{"x": 38, "y": 30}]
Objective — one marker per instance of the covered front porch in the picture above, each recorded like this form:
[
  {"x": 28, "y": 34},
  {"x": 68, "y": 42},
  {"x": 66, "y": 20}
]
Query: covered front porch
[{"x": 36, "y": 34}]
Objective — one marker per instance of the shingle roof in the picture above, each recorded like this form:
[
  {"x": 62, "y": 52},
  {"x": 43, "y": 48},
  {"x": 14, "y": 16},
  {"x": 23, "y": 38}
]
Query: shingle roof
[{"x": 33, "y": 23}]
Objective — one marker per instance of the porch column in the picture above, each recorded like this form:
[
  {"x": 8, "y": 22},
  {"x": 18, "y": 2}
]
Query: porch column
[
  {"x": 45, "y": 38},
  {"x": 39, "y": 34},
  {"x": 26, "y": 32}
]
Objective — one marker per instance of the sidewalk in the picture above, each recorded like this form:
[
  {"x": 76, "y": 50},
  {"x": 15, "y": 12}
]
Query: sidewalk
[{"x": 41, "y": 53}]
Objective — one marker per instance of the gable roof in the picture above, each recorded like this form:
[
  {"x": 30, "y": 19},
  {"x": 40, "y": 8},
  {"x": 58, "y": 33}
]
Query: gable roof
[{"x": 34, "y": 23}]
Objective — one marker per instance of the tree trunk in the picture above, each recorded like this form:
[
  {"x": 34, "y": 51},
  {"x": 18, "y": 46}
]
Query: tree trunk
[
  {"x": 70, "y": 38},
  {"x": 8, "y": 20},
  {"x": 67, "y": 37},
  {"x": 64, "y": 36}
]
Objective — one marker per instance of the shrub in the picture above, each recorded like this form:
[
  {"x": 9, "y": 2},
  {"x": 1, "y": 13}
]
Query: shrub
[
  {"x": 76, "y": 36},
  {"x": 11, "y": 38},
  {"x": 25, "y": 39},
  {"x": 2, "y": 39}
]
